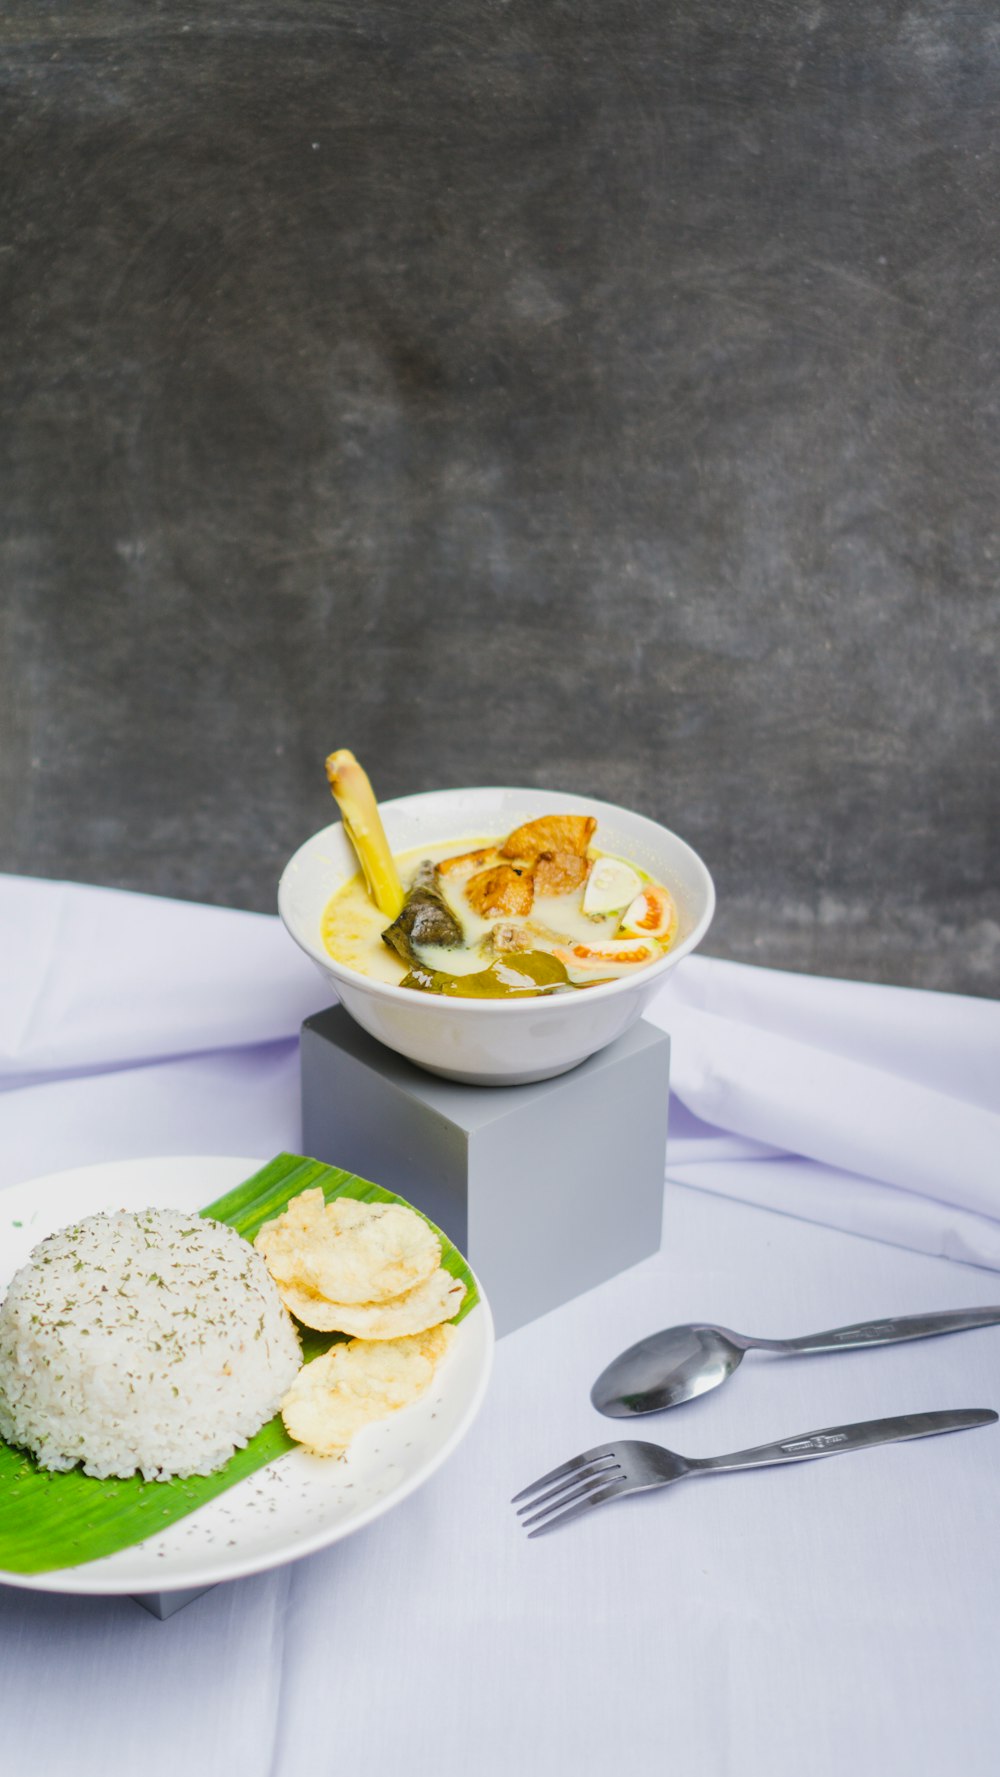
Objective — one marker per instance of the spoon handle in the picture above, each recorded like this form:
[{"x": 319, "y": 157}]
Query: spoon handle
[
  {"x": 838, "y": 1440},
  {"x": 887, "y": 1332}
]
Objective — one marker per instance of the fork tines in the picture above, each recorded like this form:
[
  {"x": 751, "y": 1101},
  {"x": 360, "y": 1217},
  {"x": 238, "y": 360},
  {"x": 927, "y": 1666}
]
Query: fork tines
[{"x": 586, "y": 1480}]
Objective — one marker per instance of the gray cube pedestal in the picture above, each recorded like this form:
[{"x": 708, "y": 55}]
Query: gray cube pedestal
[
  {"x": 164, "y": 1604},
  {"x": 547, "y": 1189}
]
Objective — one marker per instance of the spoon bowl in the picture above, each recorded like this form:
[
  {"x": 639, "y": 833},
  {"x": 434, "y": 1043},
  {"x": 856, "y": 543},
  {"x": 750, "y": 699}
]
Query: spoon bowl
[{"x": 665, "y": 1369}]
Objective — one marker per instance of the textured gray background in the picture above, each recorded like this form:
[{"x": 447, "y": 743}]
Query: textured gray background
[{"x": 574, "y": 394}]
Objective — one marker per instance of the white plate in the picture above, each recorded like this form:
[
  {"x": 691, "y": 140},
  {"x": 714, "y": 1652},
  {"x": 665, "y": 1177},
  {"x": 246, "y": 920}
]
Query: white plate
[{"x": 296, "y": 1504}]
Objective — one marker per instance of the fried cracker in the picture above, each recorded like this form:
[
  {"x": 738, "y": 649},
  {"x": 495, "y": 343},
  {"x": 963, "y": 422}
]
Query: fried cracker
[
  {"x": 438, "y": 1298},
  {"x": 349, "y": 1251},
  {"x": 351, "y": 1385}
]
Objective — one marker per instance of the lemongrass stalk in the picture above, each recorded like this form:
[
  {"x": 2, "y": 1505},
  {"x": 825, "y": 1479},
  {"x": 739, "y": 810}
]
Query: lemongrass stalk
[{"x": 355, "y": 798}]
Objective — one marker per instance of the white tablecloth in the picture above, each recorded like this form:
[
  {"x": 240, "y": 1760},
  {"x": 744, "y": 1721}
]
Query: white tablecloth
[{"x": 793, "y": 1619}]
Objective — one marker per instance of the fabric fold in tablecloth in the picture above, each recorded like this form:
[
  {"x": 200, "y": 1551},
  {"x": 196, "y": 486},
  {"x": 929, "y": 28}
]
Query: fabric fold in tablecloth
[
  {"x": 97, "y": 978},
  {"x": 874, "y": 1109}
]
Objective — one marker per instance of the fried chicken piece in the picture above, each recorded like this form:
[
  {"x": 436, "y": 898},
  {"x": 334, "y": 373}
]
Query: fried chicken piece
[
  {"x": 467, "y": 860},
  {"x": 505, "y": 939},
  {"x": 558, "y": 872},
  {"x": 550, "y": 833},
  {"x": 500, "y": 890}
]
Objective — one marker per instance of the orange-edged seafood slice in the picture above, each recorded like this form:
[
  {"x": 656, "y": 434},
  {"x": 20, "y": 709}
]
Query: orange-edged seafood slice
[{"x": 652, "y": 914}]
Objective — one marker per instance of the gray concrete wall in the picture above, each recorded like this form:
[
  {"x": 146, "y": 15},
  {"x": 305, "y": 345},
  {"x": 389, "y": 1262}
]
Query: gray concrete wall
[{"x": 603, "y": 396}]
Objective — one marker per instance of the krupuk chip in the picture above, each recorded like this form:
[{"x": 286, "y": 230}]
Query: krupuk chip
[
  {"x": 348, "y": 1251},
  {"x": 351, "y": 1385},
  {"x": 373, "y": 1271},
  {"x": 438, "y": 1298}
]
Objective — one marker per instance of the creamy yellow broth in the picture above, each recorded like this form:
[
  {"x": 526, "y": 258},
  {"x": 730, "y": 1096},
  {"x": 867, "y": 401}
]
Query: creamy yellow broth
[{"x": 352, "y": 925}]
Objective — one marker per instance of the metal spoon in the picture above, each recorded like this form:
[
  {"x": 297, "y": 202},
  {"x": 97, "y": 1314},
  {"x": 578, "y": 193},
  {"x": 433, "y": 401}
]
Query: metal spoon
[{"x": 682, "y": 1362}]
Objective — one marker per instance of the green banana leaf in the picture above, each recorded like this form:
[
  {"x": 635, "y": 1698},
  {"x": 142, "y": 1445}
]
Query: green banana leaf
[{"x": 52, "y": 1519}]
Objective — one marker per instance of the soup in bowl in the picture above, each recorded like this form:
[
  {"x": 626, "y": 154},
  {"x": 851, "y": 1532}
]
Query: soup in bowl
[{"x": 564, "y": 933}]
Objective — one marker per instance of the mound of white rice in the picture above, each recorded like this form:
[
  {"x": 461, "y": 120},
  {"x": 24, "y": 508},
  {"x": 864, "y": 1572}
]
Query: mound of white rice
[{"x": 153, "y": 1342}]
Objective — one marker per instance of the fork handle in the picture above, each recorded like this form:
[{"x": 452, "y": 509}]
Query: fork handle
[
  {"x": 838, "y": 1440},
  {"x": 887, "y": 1332}
]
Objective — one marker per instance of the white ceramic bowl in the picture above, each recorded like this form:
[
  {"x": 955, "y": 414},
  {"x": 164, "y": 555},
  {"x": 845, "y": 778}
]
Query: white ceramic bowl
[{"x": 494, "y": 1042}]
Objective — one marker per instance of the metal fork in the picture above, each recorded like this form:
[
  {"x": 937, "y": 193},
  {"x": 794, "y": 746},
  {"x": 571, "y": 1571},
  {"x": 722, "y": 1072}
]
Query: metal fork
[{"x": 611, "y": 1470}]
